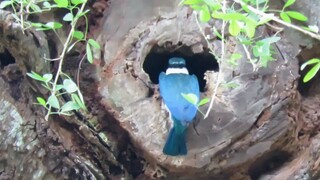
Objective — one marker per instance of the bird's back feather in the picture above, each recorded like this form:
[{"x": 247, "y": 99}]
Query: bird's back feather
[{"x": 171, "y": 88}]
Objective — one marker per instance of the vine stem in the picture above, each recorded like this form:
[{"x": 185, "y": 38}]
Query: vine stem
[
  {"x": 219, "y": 61},
  {"x": 274, "y": 18},
  {"x": 63, "y": 53}
]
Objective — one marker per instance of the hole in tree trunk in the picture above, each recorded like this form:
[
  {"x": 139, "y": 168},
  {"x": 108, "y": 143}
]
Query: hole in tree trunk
[
  {"x": 268, "y": 163},
  {"x": 6, "y": 58},
  {"x": 157, "y": 62}
]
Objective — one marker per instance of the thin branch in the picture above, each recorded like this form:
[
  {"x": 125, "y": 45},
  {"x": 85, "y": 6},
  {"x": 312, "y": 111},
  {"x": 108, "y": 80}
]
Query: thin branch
[
  {"x": 219, "y": 62},
  {"x": 62, "y": 56}
]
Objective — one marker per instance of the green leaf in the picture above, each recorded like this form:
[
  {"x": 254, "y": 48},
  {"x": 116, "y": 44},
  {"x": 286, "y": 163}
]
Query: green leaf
[
  {"x": 309, "y": 62},
  {"x": 234, "y": 28},
  {"x": 250, "y": 29},
  {"x": 191, "y": 2},
  {"x": 35, "y": 8},
  {"x": 204, "y": 15},
  {"x": 69, "y": 86},
  {"x": 296, "y": 15},
  {"x": 47, "y": 5},
  {"x": 229, "y": 16},
  {"x": 196, "y": 7},
  {"x": 78, "y": 100},
  {"x": 78, "y": 35},
  {"x": 313, "y": 71},
  {"x": 94, "y": 43},
  {"x": 288, "y": 3},
  {"x": 53, "y": 25},
  {"x": 36, "y": 76},
  {"x": 59, "y": 87},
  {"x": 69, "y": 106},
  {"x": 47, "y": 77},
  {"x": 203, "y": 102},
  {"x": 191, "y": 98},
  {"x": 68, "y": 17},
  {"x": 53, "y": 101},
  {"x": 77, "y": 2},
  {"x": 38, "y": 25},
  {"x": 41, "y": 101},
  {"x": 285, "y": 17},
  {"x": 62, "y": 3},
  {"x": 4, "y": 4},
  {"x": 213, "y": 5},
  {"x": 89, "y": 53},
  {"x": 215, "y": 31}
]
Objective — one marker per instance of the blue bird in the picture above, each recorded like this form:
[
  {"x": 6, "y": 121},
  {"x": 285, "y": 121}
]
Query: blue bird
[{"x": 173, "y": 84}]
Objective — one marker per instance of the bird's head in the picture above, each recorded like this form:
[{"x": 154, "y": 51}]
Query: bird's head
[{"x": 177, "y": 66}]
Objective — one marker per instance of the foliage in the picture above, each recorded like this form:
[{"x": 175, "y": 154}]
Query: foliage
[
  {"x": 193, "y": 99},
  {"x": 313, "y": 71},
  {"x": 49, "y": 81},
  {"x": 243, "y": 17}
]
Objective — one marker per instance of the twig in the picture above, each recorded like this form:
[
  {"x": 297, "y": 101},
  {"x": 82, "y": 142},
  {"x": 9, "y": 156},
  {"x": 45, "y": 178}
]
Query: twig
[
  {"x": 219, "y": 62},
  {"x": 62, "y": 56}
]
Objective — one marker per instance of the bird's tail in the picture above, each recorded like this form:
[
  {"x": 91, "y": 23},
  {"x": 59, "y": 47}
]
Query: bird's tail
[{"x": 176, "y": 141}]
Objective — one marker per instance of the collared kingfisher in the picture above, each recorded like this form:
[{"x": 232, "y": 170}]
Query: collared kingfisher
[{"x": 175, "y": 82}]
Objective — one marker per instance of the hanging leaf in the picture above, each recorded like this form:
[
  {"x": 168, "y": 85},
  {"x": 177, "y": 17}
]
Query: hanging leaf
[
  {"x": 250, "y": 29},
  {"x": 313, "y": 71},
  {"x": 94, "y": 43},
  {"x": 53, "y": 25},
  {"x": 203, "y": 101},
  {"x": 41, "y": 101},
  {"x": 78, "y": 100},
  {"x": 288, "y": 3},
  {"x": 69, "y": 86},
  {"x": 191, "y": 98},
  {"x": 191, "y": 2},
  {"x": 62, "y": 3},
  {"x": 296, "y": 15},
  {"x": 204, "y": 15},
  {"x": 69, "y": 106},
  {"x": 53, "y": 102},
  {"x": 78, "y": 35},
  {"x": 234, "y": 28},
  {"x": 285, "y": 17},
  {"x": 47, "y": 77},
  {"x": 89, "y": 53},
  {"x": 77, "y": 2},
  {"x": 68, "y": 17},
  {"x": 309, "y": 62},
  {"x": 4, "y": 4},
  {"x": 36, "y": 76}
]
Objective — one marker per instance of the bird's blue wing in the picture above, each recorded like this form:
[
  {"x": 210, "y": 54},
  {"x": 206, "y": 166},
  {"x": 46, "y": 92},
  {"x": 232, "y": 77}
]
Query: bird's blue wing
[{"x": 171, "y": 87}]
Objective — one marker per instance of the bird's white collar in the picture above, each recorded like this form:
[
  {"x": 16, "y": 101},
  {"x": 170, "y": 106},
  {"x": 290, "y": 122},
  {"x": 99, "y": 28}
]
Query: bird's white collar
[{"x": 177, "y": 71}]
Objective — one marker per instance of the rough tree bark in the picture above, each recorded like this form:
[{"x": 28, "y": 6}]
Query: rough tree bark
[{"x": 266, "y": 127}]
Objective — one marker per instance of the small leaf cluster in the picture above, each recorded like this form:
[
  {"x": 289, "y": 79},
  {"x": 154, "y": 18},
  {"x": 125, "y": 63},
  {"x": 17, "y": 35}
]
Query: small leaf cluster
[
  {"x": 49, "y": 81},
  {"x": 193, "y": 99},
  {"x": 243, "y": 24},
  {"x": 288, "y": 15},
  {"x": 315, "y": 62},
  {"x": 68, "y": 86}
]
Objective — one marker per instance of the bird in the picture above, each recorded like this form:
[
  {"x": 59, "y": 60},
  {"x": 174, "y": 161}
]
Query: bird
[{"x": 175, "y": 82}]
